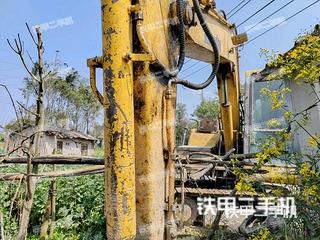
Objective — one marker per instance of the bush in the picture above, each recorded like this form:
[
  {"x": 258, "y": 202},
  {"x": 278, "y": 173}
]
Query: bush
[{"x": 79, "y": 208}]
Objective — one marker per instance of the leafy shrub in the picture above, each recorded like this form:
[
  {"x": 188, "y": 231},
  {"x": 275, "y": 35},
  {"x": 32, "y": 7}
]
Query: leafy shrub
[{"x": 79, "y": 208}]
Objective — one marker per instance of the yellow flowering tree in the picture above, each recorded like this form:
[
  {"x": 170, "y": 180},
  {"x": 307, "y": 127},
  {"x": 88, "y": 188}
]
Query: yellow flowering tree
[{"x": 300, "y": 64}]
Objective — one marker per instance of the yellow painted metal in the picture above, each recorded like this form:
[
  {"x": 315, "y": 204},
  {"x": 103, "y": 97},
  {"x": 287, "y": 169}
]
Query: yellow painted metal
[
  {"x": 154, "y": 30},
  {"x": 203, "y": 139},
  {"x": 150, "y": 173},
  {"x": 198, "y": 47},
  {"x": 154, "y": 139},
  {"x": 136, "y": 57},
  {"x": 154, "y": 135},
  {"x": 226, "y": 116},
  {"x": 230, "y": 106},
  {"x": 170, "y": 165},
  {"x": 94, "y": 63},
  {"x": 234, "y": 96},
  {"x": 139, "y": 140},
  {"x": 119, "y": 120},
  {"x": 151, "y": 139}
]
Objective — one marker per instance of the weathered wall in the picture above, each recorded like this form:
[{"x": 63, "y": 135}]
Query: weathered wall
[
  {"x": 304, "y": 96},
  {"x": 49, "y": 145},
  {"x": 73, "y": 147}
]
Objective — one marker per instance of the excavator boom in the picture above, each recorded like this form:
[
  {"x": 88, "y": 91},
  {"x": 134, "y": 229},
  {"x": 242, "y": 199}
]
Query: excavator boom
[{"x": 144, "y": 44}]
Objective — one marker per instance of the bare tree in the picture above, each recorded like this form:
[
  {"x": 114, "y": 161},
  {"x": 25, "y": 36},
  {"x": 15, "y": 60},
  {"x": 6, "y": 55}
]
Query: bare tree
[{"x": 35, "y": 141}]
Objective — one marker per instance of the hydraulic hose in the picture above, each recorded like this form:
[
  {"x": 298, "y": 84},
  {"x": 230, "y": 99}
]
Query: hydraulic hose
[
  {"x": 147, "y": 48},
  {"x": 163, "y": 71},
  {"x": 216, "y": 63},
  {"x": 181, "y": 34},
  {"x": 223, "y": 13}
]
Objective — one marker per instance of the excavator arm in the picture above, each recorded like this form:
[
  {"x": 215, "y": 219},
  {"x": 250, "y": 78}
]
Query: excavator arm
[
  {"x": 198, "y": 47},
  {"x": 144, "y": 44}
]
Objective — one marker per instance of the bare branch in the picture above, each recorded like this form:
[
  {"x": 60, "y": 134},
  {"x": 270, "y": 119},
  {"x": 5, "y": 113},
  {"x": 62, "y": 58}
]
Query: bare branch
[
  {"x": 314, "y": 138},
  {"x": 315, "y": 92},
  {"x": 47, "y": 75},
  {"x": 12, "y": 151},
  {"x": 14, "y": 197},
  {"x": 21, "y": 146},
  {"x": 56, "y": 159},
  {"x": 21, "y": 114},
  {"x": 19, "y": 51},
  {"x": 30, "y": 58},
  {"x": 34, "y": 87},
  {"x": 54, "y": 174},
  {"x": 11, "y": 177},
  {"x": 27, "y": 69},
  {"x": 19, "y": 48},
  {"x": 12, "y": 47},
  {"x": 31, "y": 35},
  {"x": 13, "y": 104},
  {"x": 305, "y": 110},
  {"x": 26, "y": 109}
]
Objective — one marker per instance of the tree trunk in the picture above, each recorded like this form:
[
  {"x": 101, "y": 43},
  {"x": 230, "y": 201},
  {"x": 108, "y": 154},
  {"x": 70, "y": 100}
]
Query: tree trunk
[
  {"x": 49, "y": 217},
  {"x": 87, "y": 123},
  {"x": 46, "y": 218},
  {"x": 26, "y": 209},
  {"x": 53, "y": 208},
  {"x": 31, "y": 182},
  {"x": 2, "y": 237}
]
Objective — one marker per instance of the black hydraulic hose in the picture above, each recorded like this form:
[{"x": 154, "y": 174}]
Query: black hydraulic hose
[
  {"x": 223, "y": 14},
  {"x": 181, "y": 34},
  {"x": 215, "y": 65}
]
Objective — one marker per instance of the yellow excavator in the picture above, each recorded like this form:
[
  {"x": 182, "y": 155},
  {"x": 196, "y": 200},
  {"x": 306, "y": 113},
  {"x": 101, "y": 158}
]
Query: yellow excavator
[{"x": 144, "y": 46}]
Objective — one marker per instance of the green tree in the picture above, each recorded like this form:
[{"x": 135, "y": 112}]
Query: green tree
[
  {"x": 69, "y": 101},
  {"x": 85, "y": 108},
  {"x": 207, "y": 109}
]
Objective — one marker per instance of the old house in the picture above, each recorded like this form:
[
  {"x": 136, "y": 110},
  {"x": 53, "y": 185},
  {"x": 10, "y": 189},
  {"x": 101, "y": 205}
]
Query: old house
[
  {"x": 302, "y": 98},
  {"x": 56, "y": 142}
]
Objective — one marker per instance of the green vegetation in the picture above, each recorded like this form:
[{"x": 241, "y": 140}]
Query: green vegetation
[
  {"x": 99, "y": 152},
  {"x": 300, "y": 64},
  {"x": 182, "y": 122},
  {"x": 79, "y": 213},
  {"x": 1, "y": 143},
  {"x": 207, "y": 109},
  {"x": 69, "y": 102}
]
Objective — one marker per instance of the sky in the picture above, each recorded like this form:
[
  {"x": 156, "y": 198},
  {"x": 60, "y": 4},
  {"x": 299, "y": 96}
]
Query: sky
[{"x": 74, "y": 29}]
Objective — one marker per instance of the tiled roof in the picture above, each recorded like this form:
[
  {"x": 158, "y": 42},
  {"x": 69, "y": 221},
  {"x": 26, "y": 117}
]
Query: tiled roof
[
  {"x": 69, "y": 134},
  {"x": 61, "y": 133}
]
